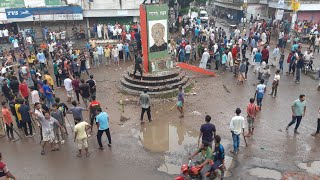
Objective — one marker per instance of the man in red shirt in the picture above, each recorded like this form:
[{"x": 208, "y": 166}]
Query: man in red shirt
[
  {"x": 265, "y": 54},
  {"x": 7, "y": 119},
  {"x": 4, "y": 171},
  {"x": 23, "y": 90},
  {"x": 234, "y": 52},
  {"x": 251, "y": 115},
  {"x": 92, "y": 107}
]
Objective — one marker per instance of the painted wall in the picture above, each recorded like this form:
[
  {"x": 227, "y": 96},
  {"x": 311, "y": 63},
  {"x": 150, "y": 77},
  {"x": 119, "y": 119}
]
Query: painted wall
[
  {"x": 313, "y": 16},
  {"x": 256, "y": 9}
]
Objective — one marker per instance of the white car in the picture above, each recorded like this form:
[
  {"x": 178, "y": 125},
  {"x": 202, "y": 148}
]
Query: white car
[{"x": 204, "y": 16}]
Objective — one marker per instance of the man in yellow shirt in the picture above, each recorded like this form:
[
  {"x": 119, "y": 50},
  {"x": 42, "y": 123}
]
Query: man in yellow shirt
[
  {"x": 80, "y": 135},
  {"x": 49, "y": 79},
  {"x": 107, "y": 55},
  {"x": 31, "y": 59},
  {"x": 16, "y": 108}
]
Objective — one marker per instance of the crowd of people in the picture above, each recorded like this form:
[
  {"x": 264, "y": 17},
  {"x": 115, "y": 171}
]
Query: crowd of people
[{"x": 29, "y": 88}]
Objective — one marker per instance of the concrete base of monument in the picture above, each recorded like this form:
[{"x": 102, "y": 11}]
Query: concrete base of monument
[{"x": 162, "y": 84}]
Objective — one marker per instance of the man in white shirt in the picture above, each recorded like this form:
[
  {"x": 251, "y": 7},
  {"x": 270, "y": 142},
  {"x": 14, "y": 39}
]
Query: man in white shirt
[
  {"x": 120, "y": 50},
  {"x": 1, "y": 35},
  {"x": 128, "y": 37},
  {"x": 69, "y": 89},
  {"x": 51, "y": 47},
  {"x": 237, "y": 127},
  {"x": 6, "y": 34},
  {"x": 317, "y": 44},
  {"x": 281, "y": 36},
  {"x": 188, "y": 51}
]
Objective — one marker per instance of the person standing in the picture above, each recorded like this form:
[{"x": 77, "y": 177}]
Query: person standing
[
  {"x": 260, "y": 90},
  {"x": 275, "y": 84},
  {"x": 58, "y": 131},
  {"x": 251, "y": 116},
  {"x": 275, "y": 54},
  {"x": 92, "y": 83},
  {"x": 76, "y": 87},
  {"x": 204, "y": 59},
  {"x": 100, "y": 53},
  {"x": 102, "y": 120},
  {"x": 48, "y": 93},
  {"x": 85, "y": 92},
  {"x": 318, "y": 126},
  {"x": 94, "y": 104},
  {"x": 298, "y": 111},
  {"x": 265, "y": 54},
  {"x": 81, "y": 137},
  {"x": 180, "y": 102},
  {"x": 24, "y": 110},
  {"x": 68, "y": 87},
  {"x": 145, "y": 105},
  {"x": 237, "y": 126},
  {"x": 207, "y": 132},
  {"x": 299, "y": 66},
  {"x": 24, "y": 91},
  {"x": 317, "y": 44},
  {"x": 7, "y": 119},
  {"x": 76, "y": 111},
  {"x": 47, "y": 122},
  {"x": 138, "y": 65}
]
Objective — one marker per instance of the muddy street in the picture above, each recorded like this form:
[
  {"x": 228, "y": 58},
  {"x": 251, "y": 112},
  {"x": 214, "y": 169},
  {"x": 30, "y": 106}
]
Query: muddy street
[{"x": 156, "y": 150}]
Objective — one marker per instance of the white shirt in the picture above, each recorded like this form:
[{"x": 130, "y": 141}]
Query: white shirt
[
  {"x": 281, "y": 35},
  {"x": 35, "y": 97},
  {"x": 51, "y": 47},
  {"x": 29, "y": 39},
  {"x": 182, "y": 31},
  {"x": 68, "y": 84},
  {"x": 317, "y": 42},
  {"x": 128, "y": 37},
  {"x": 276, "y": 77},
  {"x": 6, "y": 33},
  {"x": 1, "y": 33},
  {"x": 237, "y": 124},
  {"x": 115, "y": 52},
  {"x": 307, "y": 56},
  {"x": 120, "y": 47},
  {"x": 188, "y": 48}
]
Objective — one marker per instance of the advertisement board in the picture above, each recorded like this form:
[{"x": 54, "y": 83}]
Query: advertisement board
[{"x": 44, "y": 14}]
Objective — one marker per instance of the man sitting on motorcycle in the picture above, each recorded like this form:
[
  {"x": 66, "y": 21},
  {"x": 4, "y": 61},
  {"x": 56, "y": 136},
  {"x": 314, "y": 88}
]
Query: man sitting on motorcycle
[{"x": 206, "y": 159}]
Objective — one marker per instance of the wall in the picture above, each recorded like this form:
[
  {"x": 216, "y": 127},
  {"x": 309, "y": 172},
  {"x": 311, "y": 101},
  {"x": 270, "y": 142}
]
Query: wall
[
  {"x": 313, "y": 16},
  {"x": 256, "y": 9},
  {"x": 115, "y": 4}
]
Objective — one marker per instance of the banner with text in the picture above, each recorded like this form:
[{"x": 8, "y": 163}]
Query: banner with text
[{"x": 44, "y": 14}]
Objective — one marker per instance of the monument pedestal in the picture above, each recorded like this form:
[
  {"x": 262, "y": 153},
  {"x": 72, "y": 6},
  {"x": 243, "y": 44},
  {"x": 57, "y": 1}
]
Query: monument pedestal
[{"x": 159, "y": 84}]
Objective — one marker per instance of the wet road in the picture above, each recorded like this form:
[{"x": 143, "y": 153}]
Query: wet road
[{"x": 156, "y": 150}]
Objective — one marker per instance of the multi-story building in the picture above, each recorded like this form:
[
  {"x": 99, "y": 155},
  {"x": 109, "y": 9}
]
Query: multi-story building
[{"x": 309, "y": 9}]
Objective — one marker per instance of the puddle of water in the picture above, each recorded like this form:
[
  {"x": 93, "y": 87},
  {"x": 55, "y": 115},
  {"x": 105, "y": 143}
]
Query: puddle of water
[
  {"x": 311, "y": 167},
  {"x": 163, "y": 136},
  {"x": 265, "y": 173}
]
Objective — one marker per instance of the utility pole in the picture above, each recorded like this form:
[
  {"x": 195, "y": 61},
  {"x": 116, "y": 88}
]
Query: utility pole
[{"x": 295, "y": 5}]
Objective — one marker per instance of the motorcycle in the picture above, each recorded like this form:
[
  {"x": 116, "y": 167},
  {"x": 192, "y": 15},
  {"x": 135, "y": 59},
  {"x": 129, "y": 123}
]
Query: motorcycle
[{"x": 191, "y": 171}]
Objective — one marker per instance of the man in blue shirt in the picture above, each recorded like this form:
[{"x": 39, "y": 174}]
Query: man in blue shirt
[
  {"x": 127, "y": 51},
  {"x": 102, "y": 120},
  {"x": 42, "y": 59},
  {"x": 257, "y": 59},
  {"x": 100, "y": 53},
  {"x": 48, "y": 93}
]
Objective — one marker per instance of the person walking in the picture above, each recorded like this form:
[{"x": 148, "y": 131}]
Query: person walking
[
  {"x": 76, "y": 111},
  {"x": 145, "y": 105},
  {"x": 58, "y": 131},
  {"x": 260, "y": 90},
  {"x": 81, "y": 137},
  {"x": 251, "y": 116},
  {"x": 237, "y": 126},
  {"x": 138, "y": 66},
  {"x": 102, "y": 120},
  {"x": 207, "y": 132},
  {"x": 180, "y": 102},
  {"x": 318, "y": 126},
  {"x": 48, "y": 93},
  {"x": 298, "y": 111},
  {"x": 275, "y": 84},
  {"x": 7, "y": 120},
  {"x": 68, "y": 87},
  {"x": 85, "y": 92}
]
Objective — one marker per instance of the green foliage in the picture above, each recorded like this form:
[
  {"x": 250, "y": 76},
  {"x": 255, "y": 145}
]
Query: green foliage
[
  {"x": 185, "y": 3},
  {"x": 201, "y": 2},
  {"x": 184, "y": 10},
  {"x": 194, "y": 9}
]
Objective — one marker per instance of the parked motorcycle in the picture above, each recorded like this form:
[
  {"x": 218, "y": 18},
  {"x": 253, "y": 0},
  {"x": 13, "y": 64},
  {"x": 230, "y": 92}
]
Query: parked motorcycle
[{"x": 191, "y": 171}]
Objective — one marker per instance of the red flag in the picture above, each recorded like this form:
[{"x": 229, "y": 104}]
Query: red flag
[{"x": 196, "y": 69}]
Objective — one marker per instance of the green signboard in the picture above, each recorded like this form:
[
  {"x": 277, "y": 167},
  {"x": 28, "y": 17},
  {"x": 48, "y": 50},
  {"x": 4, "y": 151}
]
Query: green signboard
[
  {"x": 11, "y": 3},
  {"x": 54, "y": 2},
  {"x": 157, "y": 28}
]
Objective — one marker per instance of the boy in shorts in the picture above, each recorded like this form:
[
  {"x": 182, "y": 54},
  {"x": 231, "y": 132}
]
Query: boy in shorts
[{"x": 80, "y": 136}]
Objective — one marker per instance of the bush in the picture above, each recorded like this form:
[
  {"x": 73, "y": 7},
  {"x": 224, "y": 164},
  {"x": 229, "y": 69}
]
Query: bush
[
  {"x": 184, "y": 11},
  {"x": 194, "y": 9}
]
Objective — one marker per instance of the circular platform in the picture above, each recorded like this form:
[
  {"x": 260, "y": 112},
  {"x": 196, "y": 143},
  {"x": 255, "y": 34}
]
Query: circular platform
[{"x": 160, "y": 84}]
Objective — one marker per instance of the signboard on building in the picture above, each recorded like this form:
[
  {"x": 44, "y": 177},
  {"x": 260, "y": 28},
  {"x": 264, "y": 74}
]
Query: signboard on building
[
  {"x": 34, "y": 3},
  {"x": 11, "y": 3},
  {"x": 44, "y": 14}
]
